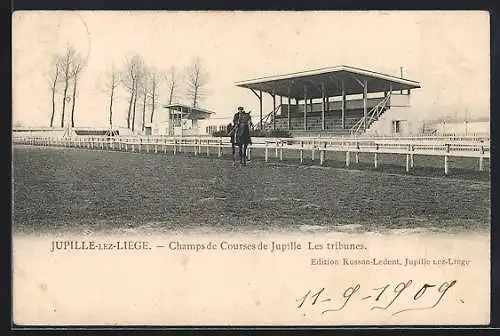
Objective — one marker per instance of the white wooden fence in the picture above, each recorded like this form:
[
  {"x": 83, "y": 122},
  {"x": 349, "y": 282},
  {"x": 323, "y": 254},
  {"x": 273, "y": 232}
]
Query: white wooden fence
[{"x": 450, "y": 146}]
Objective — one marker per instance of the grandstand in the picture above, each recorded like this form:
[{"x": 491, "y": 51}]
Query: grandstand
[
  {"x": 180, "y": 120},
  {"x": 340, "y": 100}
]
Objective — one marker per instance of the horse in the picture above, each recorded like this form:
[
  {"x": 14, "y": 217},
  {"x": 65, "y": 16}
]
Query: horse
[{"x": 240, "y": 136}]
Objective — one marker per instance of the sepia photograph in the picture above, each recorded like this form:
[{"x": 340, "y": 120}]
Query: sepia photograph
[{"x": 260, "y": 168}]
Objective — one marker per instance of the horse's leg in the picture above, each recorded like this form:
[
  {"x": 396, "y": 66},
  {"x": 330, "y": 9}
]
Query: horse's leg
[
  {"x": 233, "y": 151},
  {"x": 245, "y": 154},
  {"x": 240, "y": 150}
]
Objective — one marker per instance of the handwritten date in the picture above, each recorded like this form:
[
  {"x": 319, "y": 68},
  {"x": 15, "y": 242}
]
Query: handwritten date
[{"x": 382, "y": 298}]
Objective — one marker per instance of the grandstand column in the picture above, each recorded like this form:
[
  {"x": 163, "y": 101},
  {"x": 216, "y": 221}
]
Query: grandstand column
[
  {"x": 323, "y": 125},
  {"x": 281, "y": 103},
  {"x": 260, "y": 108},
  {"x": 310, "y": 107},
  {"x": 274, "y": 111},
  {"x": 305, "y": 108},
  {"x": 296, "y": 105},
  {"x": 259, "y": 95},
  {"x": 289, "y": 121},
  {"x": 343, "y": 105},
  {"x": 365, "y": 94}
]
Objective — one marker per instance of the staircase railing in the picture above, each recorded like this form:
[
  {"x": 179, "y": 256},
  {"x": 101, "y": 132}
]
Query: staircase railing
[
  {"x": 266, "y": 118},
  {"x": 371, "y": 116}
]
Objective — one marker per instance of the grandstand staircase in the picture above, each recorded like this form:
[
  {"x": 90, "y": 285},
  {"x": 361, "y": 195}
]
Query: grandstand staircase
[
  {"x": 267, "y": 120},
  {"x": 371, "y": 117}
]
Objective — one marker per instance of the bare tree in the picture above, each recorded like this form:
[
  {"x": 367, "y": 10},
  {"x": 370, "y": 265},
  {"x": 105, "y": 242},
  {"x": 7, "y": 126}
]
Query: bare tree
[
  {"x": 76, "y": 68},
  {"x": 138, "y": 81},
  {"x": 144, "y": 90},
  {"x": 196, "y": 82},
  {"x": 154, "y": 76},
  {"x": 131, "y": 73},
  {"x": 53, "y": 78},
  {"x": 66, "y": 74},
  {"x": 172, "y": 84},
  {"x": 111, "y": 83}
]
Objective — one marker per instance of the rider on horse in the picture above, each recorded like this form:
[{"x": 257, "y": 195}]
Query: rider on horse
[
  {"x": 241, "y": 127},
  {"x": 240, "y": 132}
]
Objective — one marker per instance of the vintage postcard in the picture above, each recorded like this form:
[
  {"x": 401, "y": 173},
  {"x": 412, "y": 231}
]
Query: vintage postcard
[{"x": 251, "y": 168}]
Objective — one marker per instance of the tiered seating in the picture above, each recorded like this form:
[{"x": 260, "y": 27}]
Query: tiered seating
[
  {"x": 333, "y": 116},
  {"x": 333, "y": 121}
]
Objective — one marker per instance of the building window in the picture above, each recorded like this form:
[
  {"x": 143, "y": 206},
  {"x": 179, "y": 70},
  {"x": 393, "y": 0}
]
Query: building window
[{"x": 396, "y": 126}]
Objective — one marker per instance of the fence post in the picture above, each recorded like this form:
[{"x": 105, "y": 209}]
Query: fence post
[
  {"x": 446, "y": 168},
  {"x": 208, "y": 147},
  {"x": 407, "y": 162},
  {"x": 376, "y": 156},
  {"x": 195, "y": 147},
  {"x": 481, "y": 159},
  {"x": 322, "y": 155},
  {"x": 219, "y": 154},
  {"x": 249, "y": 153},
  {"x": 357, "y": 153},
  {"x": 276, "y": 149},
  {"x": 281, "y": 150},
  {"x": 266, "y": 152},
  {"x": 412, "y": 163},
  {"x": 302, "y": 152},
  {"x": 199, "y": 146},
  {"x": 347, "y": 158}
]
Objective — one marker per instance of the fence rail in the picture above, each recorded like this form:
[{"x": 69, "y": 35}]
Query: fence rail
[{"x": 451, "y": 146}]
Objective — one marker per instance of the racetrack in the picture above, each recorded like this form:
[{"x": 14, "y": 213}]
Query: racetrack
[{"x": 62, "y": 190}]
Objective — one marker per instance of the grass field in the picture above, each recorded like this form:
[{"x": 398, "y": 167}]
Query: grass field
[{"x": 83, "y": 191}]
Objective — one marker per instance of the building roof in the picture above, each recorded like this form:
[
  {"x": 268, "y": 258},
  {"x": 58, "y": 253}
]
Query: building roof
[
  {"x": 190, "y": 112},
  {"x": 292, "y": 85}
]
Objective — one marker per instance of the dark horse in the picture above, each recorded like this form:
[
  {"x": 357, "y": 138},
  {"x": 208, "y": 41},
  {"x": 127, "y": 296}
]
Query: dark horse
[{"x": 240, "y": 135}]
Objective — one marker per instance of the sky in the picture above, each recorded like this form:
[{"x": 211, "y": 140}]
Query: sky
[{"x": 446, "y": 52}]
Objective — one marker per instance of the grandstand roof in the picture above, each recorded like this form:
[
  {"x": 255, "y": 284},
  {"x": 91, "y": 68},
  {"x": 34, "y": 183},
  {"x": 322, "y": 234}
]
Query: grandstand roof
[
  {"x": 190, "y": 112},
  {"x": 292, "y": 85}
]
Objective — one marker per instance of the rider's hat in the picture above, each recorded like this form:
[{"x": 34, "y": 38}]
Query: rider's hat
[{"x": 240, "y": 108}]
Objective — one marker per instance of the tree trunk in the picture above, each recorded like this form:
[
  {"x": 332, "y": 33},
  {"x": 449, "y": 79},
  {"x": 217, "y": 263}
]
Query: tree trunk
[
  {"x": 195, "y": 97},
  {"x": 73, "y": 102},
  {"x": 153, "y": 92},
  {"x": 133, "y": 111},
  {"x": 171, "y": 95},
  {"x": 53, "y": 102},
  {"x": 130, "y": 105},
  {"x": 64, "y": 102},
  {"x": 144, "y": 110},
  {"x": 111, "y": 109}
]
